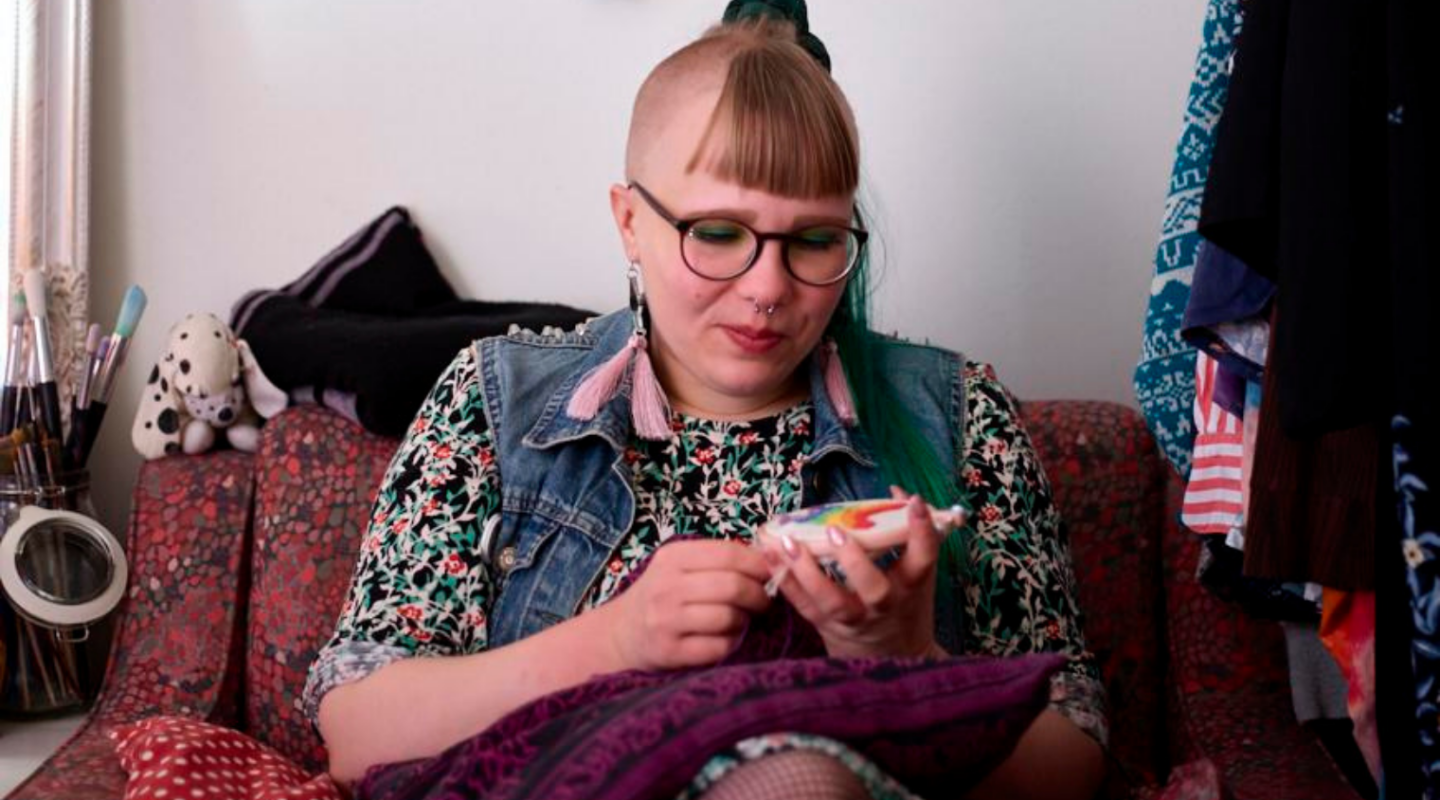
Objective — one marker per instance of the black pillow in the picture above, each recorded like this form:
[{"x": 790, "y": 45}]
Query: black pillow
[{"x": 376, "y": 319}]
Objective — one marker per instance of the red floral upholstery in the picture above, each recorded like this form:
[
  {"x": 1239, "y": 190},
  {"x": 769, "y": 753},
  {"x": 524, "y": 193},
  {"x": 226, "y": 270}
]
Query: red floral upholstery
[
  {"x": 1225, "y": 696},
  {"x": 318, "y": 474},
  {"x": 1192, "y": 681},
  {"x": 177, "y": 650},
  {"x": 1231, "y": 683},
  {"x": 1109, "y": 481}
]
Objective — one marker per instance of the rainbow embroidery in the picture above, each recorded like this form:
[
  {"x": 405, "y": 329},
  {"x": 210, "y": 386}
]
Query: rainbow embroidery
[{"x": 846, "y": 516}]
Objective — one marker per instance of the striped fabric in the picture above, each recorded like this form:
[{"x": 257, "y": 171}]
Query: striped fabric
[
  {"x": 1214, "y": 498},
  {"x": 328, "y": 271}
]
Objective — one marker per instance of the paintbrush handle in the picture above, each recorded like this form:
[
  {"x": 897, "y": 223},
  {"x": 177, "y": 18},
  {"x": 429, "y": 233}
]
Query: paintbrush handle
[
  {"x": 75, "y": 435},
  {"x": 114, "y": 359},
  {"x": 94, "y": 415},
  {"x": 9, "y": 399},
  {"x": 15, "y": 360},
  {"x": 48, "y": 396}
]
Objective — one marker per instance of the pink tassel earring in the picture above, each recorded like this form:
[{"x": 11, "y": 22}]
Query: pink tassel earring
[
  {"x": 836, "y": 386},
  {"x": 649, "y": 408}
]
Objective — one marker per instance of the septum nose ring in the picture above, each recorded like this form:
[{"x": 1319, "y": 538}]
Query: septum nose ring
[{"x": 769, "y": 310}]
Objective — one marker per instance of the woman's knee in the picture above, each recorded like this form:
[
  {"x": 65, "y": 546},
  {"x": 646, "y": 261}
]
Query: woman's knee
[{"x": 791, "y": 775}]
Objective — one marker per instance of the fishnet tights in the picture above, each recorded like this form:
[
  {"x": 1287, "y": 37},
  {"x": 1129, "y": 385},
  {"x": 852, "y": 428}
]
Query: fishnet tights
[{"x": 791, "y": 775}]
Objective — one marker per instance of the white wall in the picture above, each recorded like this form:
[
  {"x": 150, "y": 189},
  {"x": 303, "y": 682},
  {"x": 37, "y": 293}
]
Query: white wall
[{"x": 1017, "y": 155}]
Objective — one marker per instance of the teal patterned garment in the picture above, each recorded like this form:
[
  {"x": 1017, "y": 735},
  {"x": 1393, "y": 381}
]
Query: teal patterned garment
[
  {"x": 1165, "y": 377},
  {"x": 421, "y": 588}
]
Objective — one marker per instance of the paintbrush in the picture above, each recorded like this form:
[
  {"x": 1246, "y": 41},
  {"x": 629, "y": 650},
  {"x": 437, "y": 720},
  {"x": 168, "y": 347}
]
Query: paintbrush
[
  {"x": 48, "y": 395},
  {"x": 14, "y": 362},
  {"x": 130, "y": 311},
  {"x": 92, "y": 346},
  {"x": 115, "y": 346},
  {"x": 80, "y": 403}
]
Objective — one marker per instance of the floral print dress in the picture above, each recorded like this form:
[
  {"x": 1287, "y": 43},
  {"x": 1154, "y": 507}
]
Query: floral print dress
[{"x": 421, "y": 587}]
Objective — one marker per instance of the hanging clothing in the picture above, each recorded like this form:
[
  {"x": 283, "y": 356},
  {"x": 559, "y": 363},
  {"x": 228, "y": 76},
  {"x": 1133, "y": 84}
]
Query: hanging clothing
[
  {"x": 1229, "y": 391},
  {"x": 1411, "y": 117},
  {"x": 1217, "y": 476},
  {"x": 1297, "y": 192},
  {"x": 1164, "y": 378},
  {"x": 1317, "y": 686},
  {"x": 1311, "y": 517},
  {"x": 1214, "y": 501},
  {"x": 1347, "y": 629},
  {"x": 1251, "y": 427},
  {"x": 1228, "y": 314}
]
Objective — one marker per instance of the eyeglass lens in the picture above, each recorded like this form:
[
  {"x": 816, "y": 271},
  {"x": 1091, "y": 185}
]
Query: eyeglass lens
[{"x": 721, "y": 248}]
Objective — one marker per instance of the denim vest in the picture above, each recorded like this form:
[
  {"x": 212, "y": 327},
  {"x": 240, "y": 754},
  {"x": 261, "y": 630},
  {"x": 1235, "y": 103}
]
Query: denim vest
[{"x": 566, "y": 498}]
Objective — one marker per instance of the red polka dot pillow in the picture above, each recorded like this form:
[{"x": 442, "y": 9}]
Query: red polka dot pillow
[{"x": 175, "y": 758}]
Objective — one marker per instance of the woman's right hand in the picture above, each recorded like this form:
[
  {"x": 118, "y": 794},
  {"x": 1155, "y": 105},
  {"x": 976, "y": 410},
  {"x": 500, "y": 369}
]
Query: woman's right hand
[{"x": 690, "y": 606}]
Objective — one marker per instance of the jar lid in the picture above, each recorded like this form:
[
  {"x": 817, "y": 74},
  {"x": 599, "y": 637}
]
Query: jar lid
[{"x": 61, "y": 569}]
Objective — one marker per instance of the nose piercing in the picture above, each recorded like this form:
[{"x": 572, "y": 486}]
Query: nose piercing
[{"x": 769, "y": 310}]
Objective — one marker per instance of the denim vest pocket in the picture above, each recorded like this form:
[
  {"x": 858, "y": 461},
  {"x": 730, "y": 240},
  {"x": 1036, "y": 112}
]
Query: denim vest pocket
[{"x": 553, "y": 565}]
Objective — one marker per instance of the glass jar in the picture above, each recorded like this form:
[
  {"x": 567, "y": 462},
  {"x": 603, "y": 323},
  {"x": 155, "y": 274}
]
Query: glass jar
[{"x": 61, "y": 574}]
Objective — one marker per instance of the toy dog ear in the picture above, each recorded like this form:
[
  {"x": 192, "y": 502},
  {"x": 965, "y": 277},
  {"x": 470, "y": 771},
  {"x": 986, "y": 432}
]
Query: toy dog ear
[
  {"x": 160, "y": 420},
  {"x": 267, "y": 398}
]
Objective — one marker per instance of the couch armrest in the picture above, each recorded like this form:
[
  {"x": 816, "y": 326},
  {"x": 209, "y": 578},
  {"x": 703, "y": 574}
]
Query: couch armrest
[
  {"x": 1109, "y": 480},
  {"x": 178, "y": 646},
  {"x": 1190, "y": 677},
  {"x": 316, "y": 481},
  {"x": 1230, "y": 698}
]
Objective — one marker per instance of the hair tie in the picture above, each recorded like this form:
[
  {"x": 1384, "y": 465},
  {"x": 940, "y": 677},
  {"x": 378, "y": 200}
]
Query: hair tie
[{"x": 792, "y": 11}]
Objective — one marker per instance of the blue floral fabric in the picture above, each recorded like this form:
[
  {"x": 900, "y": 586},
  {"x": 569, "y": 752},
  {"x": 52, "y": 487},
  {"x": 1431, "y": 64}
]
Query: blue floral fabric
[
  {"x": 1421, "y": 531},
  {"x": 1165, "y": 376}
]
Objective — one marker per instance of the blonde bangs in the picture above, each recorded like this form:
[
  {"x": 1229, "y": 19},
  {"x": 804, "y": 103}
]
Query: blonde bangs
[{"x": 781, "y": 124}]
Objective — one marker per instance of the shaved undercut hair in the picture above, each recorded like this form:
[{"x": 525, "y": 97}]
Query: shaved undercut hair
[{"x": 781, "y": 123}]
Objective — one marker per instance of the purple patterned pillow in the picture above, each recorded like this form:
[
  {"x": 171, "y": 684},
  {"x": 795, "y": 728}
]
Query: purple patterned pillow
[{"x": 932, "y": 724}]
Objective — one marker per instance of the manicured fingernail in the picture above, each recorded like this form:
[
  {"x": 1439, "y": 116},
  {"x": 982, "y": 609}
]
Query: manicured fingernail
[
  {"x": 837, "y": 536},
  {"x": 791, "y": 549}
]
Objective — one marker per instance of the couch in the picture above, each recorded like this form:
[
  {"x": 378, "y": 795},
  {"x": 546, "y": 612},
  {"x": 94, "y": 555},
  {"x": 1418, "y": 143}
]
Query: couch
[{"x": 239, "y": 564}]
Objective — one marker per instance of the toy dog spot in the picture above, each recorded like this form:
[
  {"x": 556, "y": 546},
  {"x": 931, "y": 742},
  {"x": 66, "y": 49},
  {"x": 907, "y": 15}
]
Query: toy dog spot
[
  {"x": 154, "y": 374},
  {"x": 169, "y": 421},
  {"x": 185, "y": 367}
]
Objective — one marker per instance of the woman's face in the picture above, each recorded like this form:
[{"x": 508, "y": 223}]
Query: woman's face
[
  {"x": 716, "y": 354},
  {"x": 717, "y": 347}
]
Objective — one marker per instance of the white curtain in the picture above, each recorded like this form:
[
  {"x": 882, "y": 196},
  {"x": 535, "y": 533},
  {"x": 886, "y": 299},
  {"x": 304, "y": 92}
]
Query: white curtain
[{"x": 49, "y": 163}]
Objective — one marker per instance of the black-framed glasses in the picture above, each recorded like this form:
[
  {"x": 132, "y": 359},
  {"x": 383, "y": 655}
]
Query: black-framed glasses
[{"x": 722, "y": 249}]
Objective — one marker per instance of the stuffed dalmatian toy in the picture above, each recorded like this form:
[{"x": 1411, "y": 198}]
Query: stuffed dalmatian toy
[{"x": 207, "y": 381}]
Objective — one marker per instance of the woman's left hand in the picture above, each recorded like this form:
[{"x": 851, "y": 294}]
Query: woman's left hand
[{"x": 876, "y": 613}]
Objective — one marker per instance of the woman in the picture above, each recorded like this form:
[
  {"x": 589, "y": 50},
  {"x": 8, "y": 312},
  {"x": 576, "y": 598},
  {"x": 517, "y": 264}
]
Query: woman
[{"x": 747, "y": 269}]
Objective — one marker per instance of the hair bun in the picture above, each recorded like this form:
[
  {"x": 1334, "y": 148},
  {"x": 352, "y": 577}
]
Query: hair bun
[{"x": 792, "y": 11}]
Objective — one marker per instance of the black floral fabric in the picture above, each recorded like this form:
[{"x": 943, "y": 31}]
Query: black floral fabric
[{"x": 421, "y": 588}]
